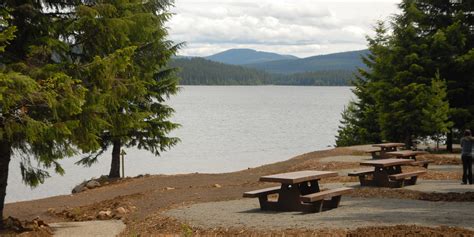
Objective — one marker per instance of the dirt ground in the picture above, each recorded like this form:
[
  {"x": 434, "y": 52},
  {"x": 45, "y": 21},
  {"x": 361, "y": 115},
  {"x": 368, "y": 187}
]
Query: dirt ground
[{"x": 146, "y": 198}]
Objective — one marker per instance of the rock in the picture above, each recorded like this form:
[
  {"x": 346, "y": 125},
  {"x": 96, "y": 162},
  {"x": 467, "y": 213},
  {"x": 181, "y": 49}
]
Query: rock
[
  {"x": 121, "y": 210},
  {"x": 169, "y": 188},
  {"x": 104, "y": 215},
  {"x": 217, "y": 186},
  {"x": 92, "y": 184},
  {"x": 79, "y": 188}
]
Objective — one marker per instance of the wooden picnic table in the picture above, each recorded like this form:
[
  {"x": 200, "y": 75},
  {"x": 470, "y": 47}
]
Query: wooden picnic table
[
  {"x": 384, "y": 148},
  {"x": 299, "y": 191},
  {"x": 409, "y": 154},
  {"x": 387, "y": 173}
]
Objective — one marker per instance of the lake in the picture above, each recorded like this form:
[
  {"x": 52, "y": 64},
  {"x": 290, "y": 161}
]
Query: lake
[{"x": 224, "y": 129}]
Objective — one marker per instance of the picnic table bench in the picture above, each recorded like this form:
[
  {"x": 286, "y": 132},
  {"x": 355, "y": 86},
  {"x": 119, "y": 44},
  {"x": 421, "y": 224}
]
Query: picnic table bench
[
  {"x": 387, "y": 173},
  {"x": 384, "y": 148},
  {"x": 299, "y": 191}
]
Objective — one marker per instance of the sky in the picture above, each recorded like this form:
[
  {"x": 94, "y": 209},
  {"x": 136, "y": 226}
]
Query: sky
[{"x": 298, "y": 27}]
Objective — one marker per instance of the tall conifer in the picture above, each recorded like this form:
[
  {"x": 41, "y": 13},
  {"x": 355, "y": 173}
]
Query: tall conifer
[
  {"x": 38, "y": 101},
  {"x": 134, "y": 98}
]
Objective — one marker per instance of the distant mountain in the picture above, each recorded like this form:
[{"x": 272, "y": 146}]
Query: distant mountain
[
  {"x": 247, "y": 56},
  {"x": 338, "y": 61},
  {"x": 200, "y": 71}
]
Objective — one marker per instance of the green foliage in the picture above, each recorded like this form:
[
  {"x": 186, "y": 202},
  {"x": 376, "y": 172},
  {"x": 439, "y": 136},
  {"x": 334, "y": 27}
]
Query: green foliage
[
  {"x": 124, "y": 45},
  {"x": 406, "y": 90},
  {"x": 349, "y": 133},
  {"x": 359, "y": 124},
  {"x": 38, "y": 101},
  {"x": 199, "y": 71},
  {"x": 80, "y": 77}
]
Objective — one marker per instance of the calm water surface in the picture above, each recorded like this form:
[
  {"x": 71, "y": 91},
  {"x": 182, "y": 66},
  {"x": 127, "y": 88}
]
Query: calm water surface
[{"x": 223, "y": 129}]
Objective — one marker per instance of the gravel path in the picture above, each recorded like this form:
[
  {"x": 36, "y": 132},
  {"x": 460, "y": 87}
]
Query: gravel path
[
  {"x": 110, "y": 228},
  {"x": 353, "y": 213}
]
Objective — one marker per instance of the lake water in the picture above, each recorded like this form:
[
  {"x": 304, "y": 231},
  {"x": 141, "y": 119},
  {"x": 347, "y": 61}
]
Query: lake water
[{"x": 224, "y": 129}]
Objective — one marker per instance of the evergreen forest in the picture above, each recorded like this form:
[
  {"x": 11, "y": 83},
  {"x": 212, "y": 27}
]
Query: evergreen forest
[{"x": 200, "y": 71}]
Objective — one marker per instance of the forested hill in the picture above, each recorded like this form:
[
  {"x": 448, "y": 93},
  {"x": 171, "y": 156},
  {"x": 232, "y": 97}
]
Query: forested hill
[
  {"x": 199, "y": 71},
  {"x": 337, "y": 61},
  {"x": 247, "y": 56}
]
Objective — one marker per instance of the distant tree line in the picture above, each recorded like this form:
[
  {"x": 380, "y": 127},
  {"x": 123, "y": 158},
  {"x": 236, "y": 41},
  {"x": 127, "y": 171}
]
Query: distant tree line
[
  {"x": 199, "y": 71},
  {"x": 419, "y": 77},
  {"x": 318, "y": 78}
]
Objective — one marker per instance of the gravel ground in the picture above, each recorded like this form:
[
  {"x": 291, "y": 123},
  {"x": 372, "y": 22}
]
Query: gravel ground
[
  {"x": 428, "y": 186},
  {"x": 441, "y": 186},
  {"x": 353, "y": 213},
  {"x": 445, "y": 168},
  {"x": 88, "y": 228}
]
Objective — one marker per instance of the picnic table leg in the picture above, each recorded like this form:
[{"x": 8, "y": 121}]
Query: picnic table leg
[
  {"x": 333, "y": 203},
  {"x": 265, "y": 205},
  {"x": 365, "y": 181},
  {"x": 412, "y": 180},
  {"x": 289, "y": 200},
  {"x": 381, "y": 176}
]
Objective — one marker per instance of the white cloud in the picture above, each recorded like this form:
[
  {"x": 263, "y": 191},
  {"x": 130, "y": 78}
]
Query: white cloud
[{"x": 298, "y": 27}]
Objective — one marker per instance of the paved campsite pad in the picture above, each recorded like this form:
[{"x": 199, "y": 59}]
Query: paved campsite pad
[
  {"x": 353, "y": 213},
  {"x": 110, "y": 228}
]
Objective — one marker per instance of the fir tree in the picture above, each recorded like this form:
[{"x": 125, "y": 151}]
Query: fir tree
[
  {"x": 38, "y": 102},
  {"x": 400, "y": 92},
  {"x": 139, "y": 85}
]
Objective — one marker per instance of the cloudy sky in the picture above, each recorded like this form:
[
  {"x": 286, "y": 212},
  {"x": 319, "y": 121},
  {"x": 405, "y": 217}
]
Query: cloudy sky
[{"x": 298, "y": 27}]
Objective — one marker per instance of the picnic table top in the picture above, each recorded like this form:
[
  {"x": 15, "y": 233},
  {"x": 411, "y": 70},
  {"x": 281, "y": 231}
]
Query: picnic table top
[
  {"x": 298, "y": 176},
  {"x": 406, "y": 153},
  {"x": 386, "y": 162},
  {"x": 389, "y": 144}
]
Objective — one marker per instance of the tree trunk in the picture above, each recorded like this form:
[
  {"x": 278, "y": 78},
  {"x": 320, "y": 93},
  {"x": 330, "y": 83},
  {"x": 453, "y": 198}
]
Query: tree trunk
[
  {"x": 408, "y": 142},
  {"x": 449, "y": 141},
  {"x": 5, "y": 155},
  {"x": 115, "y": 166}
]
